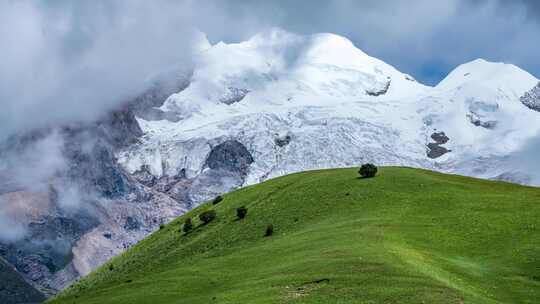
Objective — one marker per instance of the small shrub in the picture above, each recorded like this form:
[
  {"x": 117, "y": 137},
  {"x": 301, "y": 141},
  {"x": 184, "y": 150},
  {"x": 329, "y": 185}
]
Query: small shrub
[
  {"x": 161, "y": 226},
  {"x": 217, "y": 200},
  {"x": 111, "y": 267},
  {"x": 368, "y": 170},
  {"x": 188, "y": 225},
  {"x": 207, "y": 216},
  {"x": 269, "y": 230},
  {"x": 241, "y": 212}
]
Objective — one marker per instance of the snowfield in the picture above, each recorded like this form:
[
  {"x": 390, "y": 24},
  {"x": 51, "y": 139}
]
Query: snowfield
[{"x": 308, "y": 102}]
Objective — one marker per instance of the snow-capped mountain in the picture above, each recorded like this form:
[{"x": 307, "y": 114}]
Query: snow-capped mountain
[
  {"x": 275, "y": 104},
  {"x": 299, "y": 103}
]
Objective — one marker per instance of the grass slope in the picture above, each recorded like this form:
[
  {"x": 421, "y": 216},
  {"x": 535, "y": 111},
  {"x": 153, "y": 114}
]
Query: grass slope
[{"x": 406, "y": 236}]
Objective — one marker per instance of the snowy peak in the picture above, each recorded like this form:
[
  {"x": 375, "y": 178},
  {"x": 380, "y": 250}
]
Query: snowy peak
[
  {"x": 281, "y": 68},
  {"x": 336, "y": 50},
  {"x": 303, "y": 102},
  {"x": 485, "y": 75}
]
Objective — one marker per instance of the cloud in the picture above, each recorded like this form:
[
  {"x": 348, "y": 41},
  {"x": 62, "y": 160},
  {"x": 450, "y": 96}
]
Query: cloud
[
  {"x": 71, "y": 61},
  {"x": 31, "y": 162}
]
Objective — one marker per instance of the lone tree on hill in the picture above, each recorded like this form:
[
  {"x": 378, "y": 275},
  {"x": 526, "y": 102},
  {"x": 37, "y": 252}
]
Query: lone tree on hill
[
  {"x": 368, "y": 170},
  {"x": 207, "y": 216},
  {"x": 188, "y": 225},
  {"x": 217, "y": 200},
  {"x": 269, "y": 230},
  {"x": 241, "y": 212}
]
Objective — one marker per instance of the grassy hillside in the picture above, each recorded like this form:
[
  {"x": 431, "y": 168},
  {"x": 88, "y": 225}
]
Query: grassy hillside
[{"x": 406, "y": 236}]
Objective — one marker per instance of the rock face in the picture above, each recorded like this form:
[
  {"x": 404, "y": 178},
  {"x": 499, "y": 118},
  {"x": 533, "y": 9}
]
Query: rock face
[
  {"x": 233, "y": 95},
  {"x": 14, "y": 289},
  {"x": 435, "y": 149},
  {"x": 230, "y": 156},
  {"x": 84, "y": 208},
  {"x": 531, "y": 99},
  {"x": 282, "y": 141}
]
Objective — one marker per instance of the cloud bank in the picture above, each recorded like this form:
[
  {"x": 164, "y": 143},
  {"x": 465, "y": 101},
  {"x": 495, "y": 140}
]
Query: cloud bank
[{"x": 71, "y": 61}]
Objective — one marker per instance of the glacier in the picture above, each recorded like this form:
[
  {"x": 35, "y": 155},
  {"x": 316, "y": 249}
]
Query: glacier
[{"x": 337, "y": 107}]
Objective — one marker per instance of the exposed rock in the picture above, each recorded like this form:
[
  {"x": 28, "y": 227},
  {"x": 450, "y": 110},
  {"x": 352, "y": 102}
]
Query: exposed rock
[
  {"x": 531, "y": 99},
  {"x": 233, "y": 95},
  {"x": 379, "y": 92},
  {"x": 145, "y": 176},
  {"x": 95, "y": 167},
  {"x": 436, "y": 150},
  {"x": 131, "y": 223},
  {"x": 230, "y": 156},
  {"x": 14, "y": 289},
  {"x": 120, "y": 128},
  {"x": 440, "y": 138},
  {"x": 410, "y": 78},
  {"x": 475, "y": 120},
  {"x": 146, "y": 104},
  {"x": 89, "y": 210},
  {"x": 282, "y": 141},
  {"x": 213, "y": 182}
]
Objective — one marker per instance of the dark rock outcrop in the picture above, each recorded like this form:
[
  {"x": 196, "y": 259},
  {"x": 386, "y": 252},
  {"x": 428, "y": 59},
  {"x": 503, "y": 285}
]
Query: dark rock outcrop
[
  {"x": 120, "y": 128},
  {"x": 146, "y": 104},
  {"x": 233, "y": 95},
  {"x": 230, "y": 156},
  {"x": 283, "y": 140},
  {"x": 531, "y": 99},
  {"x": 131, "y": 223},
  {"x": 440, "y": 138},
  {"x": 435, "y": 149},
  {"x": 14, "y": 289}
]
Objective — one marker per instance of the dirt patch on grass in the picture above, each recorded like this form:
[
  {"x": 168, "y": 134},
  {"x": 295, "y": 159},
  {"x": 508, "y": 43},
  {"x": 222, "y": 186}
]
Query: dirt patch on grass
[{"x": 304, "y": 289}]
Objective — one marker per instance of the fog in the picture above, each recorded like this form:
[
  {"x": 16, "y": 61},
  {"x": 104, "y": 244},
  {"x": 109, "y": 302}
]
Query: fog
[{"x": 71, "y": 61}]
